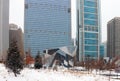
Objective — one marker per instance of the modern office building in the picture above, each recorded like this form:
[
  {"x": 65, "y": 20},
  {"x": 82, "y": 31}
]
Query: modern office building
[
  {"x": 113, "y": 37},
  {"x": 47, "y": 24},
  {"x": 102, "y": 51},
  {"x": 16, "y": 34},
  {"x": 4, "y": 28},
  {"x": 104, "y": 44},
  {"x": 88, "y": 31}
]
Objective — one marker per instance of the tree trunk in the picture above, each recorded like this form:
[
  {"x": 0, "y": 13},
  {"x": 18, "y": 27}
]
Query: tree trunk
[{"x": 15, "y": 74}]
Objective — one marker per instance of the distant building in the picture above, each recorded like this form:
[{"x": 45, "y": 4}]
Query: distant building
[
  {"x": 47, "y": 24},
  {"x": 113, "y": 37},
  {"x": 88, "y": 30},
  {"x": 16, "y": 34},
  {"x": 4, "y": 28},
  {"x": 103, "y": 50}
]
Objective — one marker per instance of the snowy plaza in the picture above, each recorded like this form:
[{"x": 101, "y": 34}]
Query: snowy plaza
[{"x": 63, "y": 74}]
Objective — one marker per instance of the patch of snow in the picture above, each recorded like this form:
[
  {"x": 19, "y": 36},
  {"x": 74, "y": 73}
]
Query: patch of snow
[{"x": 63, "y": 74}]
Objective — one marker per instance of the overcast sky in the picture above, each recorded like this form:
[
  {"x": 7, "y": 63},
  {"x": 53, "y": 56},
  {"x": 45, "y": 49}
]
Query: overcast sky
[
  {"x": 17, "y": 12},
  {"x": 109, "y": 10}
]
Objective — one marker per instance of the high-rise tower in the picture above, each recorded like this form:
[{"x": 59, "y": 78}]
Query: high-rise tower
[
  {"x": 113, "y": 37},
  {"x": 88, "y": 31},
  {"x": 47, "y": 24}
]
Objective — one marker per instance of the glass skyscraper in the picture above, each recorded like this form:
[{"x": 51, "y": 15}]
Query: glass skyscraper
[
  {"x": 88, "y": 33},
  {"x": 47, "y": 24}
]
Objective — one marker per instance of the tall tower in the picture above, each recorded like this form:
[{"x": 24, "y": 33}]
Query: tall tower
[
  {"x": 47, "y": 24},
  {"x": 88, "y": 32},
  {"x": 4, "y": 28},
  {"x": 113, "y": 37},
  {"x": 16, "y": 34}
]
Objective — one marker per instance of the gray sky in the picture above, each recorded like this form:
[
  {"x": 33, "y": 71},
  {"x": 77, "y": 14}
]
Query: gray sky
[
  {"x": 109, "y": 10},
  {"x": 17, "y": 12}
]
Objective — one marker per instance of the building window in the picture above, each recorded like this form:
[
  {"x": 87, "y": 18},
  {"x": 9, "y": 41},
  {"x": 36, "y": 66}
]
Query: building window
[
  {"x": 90, "y": 22},
  {"x": 86, "y": 28},
  {"x": 91, "y": 48},
  {"x": 90, "y": 3},
  {"x": 69, "y": 10},
  {"x": 26, "y": 6},
  {"x": 28, "y": 36},
  {"x": 90, "y": 10},
  {"x": 90, "y": 16},
  {"x": 91, "y": 0},
  {"x": 91, "y": 41},
  {"x": 91, "y": 35},
  {"x": 91, "y": 54}
]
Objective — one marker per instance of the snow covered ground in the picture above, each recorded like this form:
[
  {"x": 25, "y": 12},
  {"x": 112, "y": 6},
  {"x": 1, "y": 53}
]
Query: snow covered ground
[{"x": 50, "y": 75}]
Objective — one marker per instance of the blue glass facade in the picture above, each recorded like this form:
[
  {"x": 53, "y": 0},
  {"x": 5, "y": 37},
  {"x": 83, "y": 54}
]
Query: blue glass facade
[
  {"x": 102, "y": 51},
  {"x": 47, "y": 24},
  {"x": 88, "y": 29}
]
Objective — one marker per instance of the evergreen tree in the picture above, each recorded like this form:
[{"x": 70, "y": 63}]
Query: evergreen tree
[
  {"x": 14, "y": 61},
  {"x": 38, "y": 61}
]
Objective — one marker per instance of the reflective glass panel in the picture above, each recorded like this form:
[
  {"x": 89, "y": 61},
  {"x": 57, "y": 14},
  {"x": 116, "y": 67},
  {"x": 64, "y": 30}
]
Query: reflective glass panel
[
  {"x": 90, "y": 35},
  {"x": 90, "y": 48},
  {"x": 90, "y": 10},
  {"x": 90, "y": 16},
  {"x": 90, "y": 22},
  {"x": 89, "y": 3},
  {"x": 91, "y": 41},
  {"x": 91, "y": 54}
]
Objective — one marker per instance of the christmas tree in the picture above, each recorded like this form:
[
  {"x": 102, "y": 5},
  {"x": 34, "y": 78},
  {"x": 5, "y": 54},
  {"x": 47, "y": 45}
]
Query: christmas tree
[
  {"x": 14, "y": 61},
  {"x": 38, "y": 61}
]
